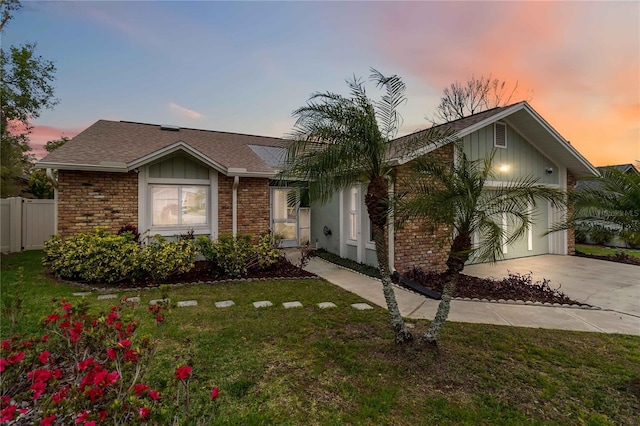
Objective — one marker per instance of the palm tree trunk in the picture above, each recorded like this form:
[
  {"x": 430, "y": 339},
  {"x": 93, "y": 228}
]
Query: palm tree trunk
[
  {"x": 377, "y": 194},
  {"x": 460, "y": 249}
]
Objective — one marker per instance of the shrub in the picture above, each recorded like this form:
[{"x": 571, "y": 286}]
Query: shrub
[
  {"x": 233, "y": 254},
  {"x": 266, "y": 252},
  {"x": 94, "y": 257},
  {"x": 130, "y": 230},
  {"x": 208, "y": 249},
  {"x": 631, "y": 238},
  {"x": 581, "y": 233},
  {"x": 161, "y": 258},
  {"x": 600, "y": 234}
]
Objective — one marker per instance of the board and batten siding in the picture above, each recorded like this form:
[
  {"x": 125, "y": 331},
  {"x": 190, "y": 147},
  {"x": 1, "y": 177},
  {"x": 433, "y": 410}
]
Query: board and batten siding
[
  {"x": 520, "y": 156},
  {"x": 327, "y": 214}
]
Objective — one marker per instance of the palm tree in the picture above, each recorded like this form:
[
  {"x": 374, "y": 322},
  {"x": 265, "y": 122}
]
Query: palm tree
[
  {"x": 456, "y": 197},
  {"x": 613, "y": 201},
  {"x": 340, "y": 142}
]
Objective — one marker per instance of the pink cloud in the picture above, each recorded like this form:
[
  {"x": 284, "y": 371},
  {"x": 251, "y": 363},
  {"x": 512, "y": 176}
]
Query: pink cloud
[
  {"x": 40, "y": 135},
  {"x": 581, "y": 61},
  {"x": 184, "y": 112}
]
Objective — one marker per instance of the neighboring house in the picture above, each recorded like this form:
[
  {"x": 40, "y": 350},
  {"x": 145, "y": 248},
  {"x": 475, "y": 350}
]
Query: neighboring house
[
  {"x": 624, "y": 168},
  {"x": 525, "y": 145},
  {"x": 169, "y": 180}
]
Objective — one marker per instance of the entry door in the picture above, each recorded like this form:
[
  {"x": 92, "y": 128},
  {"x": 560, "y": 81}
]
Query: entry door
[{"x": 284, "y": 218}]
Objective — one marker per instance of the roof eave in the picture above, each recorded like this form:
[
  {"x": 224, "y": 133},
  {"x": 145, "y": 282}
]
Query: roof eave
[{"x": 82, "y": 167}]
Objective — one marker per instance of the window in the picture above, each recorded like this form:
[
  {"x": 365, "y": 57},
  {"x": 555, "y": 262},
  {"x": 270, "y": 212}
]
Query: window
[
  {"x": 176, "y": 205},
  {"x": 500, "y": 135},
  {"x": 353, "y": 214}
]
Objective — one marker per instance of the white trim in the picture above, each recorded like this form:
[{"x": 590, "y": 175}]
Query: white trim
[
  {"x": 530, "y": 227},
  {"x": 143, "y": 200},
  {"x": 234, "y": 206},
  {"x": 170, "y": 181},
  {"x": 170, "y": 149},
  {"x": 213, "y": 202},
  {"x": 495, "y": 134}
]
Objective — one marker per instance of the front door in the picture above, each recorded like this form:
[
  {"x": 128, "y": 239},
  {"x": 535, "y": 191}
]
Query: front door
[{"x": 284, "y": 218}]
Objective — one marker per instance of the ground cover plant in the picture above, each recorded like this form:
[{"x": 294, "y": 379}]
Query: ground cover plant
[
  {"x": 613, "y": 254},
  {"x": 340, "y": 366}
]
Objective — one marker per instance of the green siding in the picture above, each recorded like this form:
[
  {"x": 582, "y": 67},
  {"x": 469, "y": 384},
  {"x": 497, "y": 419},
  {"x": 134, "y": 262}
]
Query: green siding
[
  {"x": 370, "y": 257},
  {"x": 178, "y": 167},
  {"x": 328, "y": 215},
  {"x": 522, "y": 158}
]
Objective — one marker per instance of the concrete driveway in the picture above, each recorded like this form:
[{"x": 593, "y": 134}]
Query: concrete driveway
[{"x": 609, "y": 285}]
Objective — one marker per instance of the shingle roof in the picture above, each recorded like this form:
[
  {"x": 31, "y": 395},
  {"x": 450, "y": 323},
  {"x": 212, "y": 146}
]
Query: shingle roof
[{"x": 122, "y": 144}]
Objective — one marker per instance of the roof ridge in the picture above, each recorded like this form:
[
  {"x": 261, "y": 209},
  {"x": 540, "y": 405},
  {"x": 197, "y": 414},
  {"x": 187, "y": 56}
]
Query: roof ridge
[{"x": 198, "y": 130}]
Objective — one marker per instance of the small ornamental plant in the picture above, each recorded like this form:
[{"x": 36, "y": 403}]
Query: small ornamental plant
[{"x": 83, "y": 370}]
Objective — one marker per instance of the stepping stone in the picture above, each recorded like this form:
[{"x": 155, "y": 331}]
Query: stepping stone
[
  {"x": 326, "y": 305},
  {"x": 262, "y": 304},
  {"x": 82, "y": 294},
  {"x": 107, "y": 296},
  {"x": 224, "y": 304},
  {"x": 185, "y": 303},
  {"x": 361, "y": 306},
  {"x": 134, "y": 299},
  {"x": 156, "y": 301},
  {"x": 289, "y": 305}
]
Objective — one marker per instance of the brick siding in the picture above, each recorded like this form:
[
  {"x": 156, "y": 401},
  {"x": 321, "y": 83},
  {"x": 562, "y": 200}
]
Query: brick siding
[
  {"x": 253, "y": 205},
  {"x": 90, "y": 199},
  {"x": 417, "y": 244}
]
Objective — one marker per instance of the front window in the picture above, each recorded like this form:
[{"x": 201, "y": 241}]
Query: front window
[
  {"x": 353, "y": 214},
  {"x": 178, "y": 205}
]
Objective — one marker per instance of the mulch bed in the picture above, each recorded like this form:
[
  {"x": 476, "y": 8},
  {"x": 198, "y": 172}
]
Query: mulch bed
[
  {"x": 514, "y": 287},
  {"x": 620, "y": 257}
]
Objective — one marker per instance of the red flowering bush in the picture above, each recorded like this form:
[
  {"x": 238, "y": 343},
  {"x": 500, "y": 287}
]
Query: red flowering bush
[{"x": 84, "y": 370}]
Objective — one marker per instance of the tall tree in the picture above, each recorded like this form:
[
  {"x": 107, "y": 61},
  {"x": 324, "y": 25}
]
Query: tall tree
[
  {"x": 26, "y": 90},
  {"x": 40, "y": 186},
  {"x": 340, "y": 142},
  {"x": 456, "y": 197},
  {"x": 460, "y": 100}
]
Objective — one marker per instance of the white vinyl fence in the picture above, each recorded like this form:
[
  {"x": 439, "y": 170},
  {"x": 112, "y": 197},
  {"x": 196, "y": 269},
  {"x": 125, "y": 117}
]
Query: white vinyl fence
[{"x": 26, "y": 224}]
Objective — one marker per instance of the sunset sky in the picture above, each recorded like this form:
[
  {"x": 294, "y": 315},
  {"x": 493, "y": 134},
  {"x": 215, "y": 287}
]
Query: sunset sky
[{"x": 245, "y": 66}]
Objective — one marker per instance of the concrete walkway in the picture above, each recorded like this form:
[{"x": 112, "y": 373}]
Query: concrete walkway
[{"x": 415, "y": 306}]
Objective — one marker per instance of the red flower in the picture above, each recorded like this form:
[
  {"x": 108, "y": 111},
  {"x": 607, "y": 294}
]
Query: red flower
[
  {"x": 52, "y": 318},
  {"x": 48, "y": 421},
  {"x": 95, "y": 394},
  {"x": 111, "y": 353},
  {"x": 85, "y": 363},
  {"x": 6, "y": 415},
  {"x": 102, "y": 414},
  {"x": 6, "y": 345},
  {"x": 3, "y": 364},
  {"x": 44, "y": 357},
  {"x": 153, "y": 394},
  {"x": 38, "y": 389},
  {"x": 124, "y": 343},
  {"x": 45, "y": 338},
  {"x": 90, "y": 423},
  {"x": 139, "y": 388},
  {"x": 183, "y": 373},
  {"x": 82, "y": 416},
  {"x": 131, "y": 355},
  {"x": 15, "y": 358},
  {"x": 66, "y": 306},
  {"x": 144, "y": 412},
  {"x": 65, "y": 324},
  {"x": 215, "y": 392}
]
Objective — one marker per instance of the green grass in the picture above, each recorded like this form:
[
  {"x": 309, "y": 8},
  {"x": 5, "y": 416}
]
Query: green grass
[
  {"x": 340, "y": 366},
  {"x": 605, "y": 251}
]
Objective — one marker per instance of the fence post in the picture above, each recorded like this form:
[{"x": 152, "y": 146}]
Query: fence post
[{"x": 15, "y": 208}]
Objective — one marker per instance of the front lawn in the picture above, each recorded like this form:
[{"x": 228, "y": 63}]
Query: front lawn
[
  {"x": 340, "y": 366},
  {"x": 605, "y": 251}
]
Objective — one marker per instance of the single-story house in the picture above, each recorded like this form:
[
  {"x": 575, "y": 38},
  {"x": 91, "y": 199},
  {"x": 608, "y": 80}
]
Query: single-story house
[
  {"x": 525, "y": 145},
  {"x": 169, "y": 180}
]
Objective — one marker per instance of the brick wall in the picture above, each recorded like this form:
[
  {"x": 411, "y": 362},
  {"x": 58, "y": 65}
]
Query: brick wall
[
  {"x": 253, "y": 205},
  {"x": 417, "y": 244},
  {"x": 571, "y": 234},
  {"x": 90, "y": 199}
]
